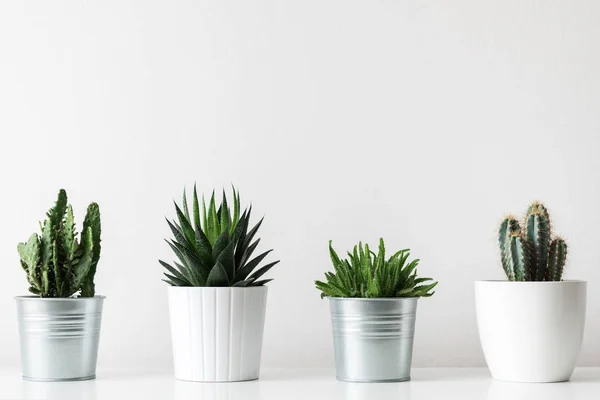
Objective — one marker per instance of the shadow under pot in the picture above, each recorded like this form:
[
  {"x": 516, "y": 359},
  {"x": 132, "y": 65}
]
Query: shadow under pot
[
  {"x": 217, "y": 332},
  {"x": 59, "y": 337},
  {"x": 531, "y": 331},
  {"x": 373, "y": 338}
]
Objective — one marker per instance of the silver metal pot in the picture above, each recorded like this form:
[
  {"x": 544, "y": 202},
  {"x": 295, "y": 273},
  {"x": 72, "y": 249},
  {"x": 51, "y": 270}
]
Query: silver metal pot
[
  {"x": 59, "y": 337},
  {"x": 373, "y": 338}
]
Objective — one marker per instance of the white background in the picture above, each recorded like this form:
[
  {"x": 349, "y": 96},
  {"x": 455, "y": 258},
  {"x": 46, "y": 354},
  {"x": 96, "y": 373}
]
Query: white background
[{"x": 423, "y": 122}]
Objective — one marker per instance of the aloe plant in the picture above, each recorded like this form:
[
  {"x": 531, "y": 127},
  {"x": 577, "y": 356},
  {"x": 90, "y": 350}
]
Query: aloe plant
[
  {"x": 531, "y": 254},
  {"x": 366, "y": 274},
  {"x": 56, "y": 263},
  {"x": 214, "y": 245}
]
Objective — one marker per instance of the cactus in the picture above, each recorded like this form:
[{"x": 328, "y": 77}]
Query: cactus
[
  {"x": 531, "y": 255},
  {"x": 557, "y": 256},
  {"x": 56, "y": 264},
  {"x": 537, "y": 233},
  {"x": 508, "y": 227}
]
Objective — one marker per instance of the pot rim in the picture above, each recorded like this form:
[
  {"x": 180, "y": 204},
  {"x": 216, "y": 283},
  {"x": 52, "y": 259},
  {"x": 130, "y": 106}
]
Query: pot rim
[
  {"x": 38, "y": 298},
  {"x": 218, "y": 287},
  {"x": 372, "y": 298},
  {"x": 500, "y": 282}
]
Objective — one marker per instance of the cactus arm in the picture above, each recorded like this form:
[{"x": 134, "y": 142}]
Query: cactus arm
[
  {"x": 82, "y": 268},
  {"x": 30, "y": 258},
  {"x": 508, "y": 226},
  {"x": 57, "y": 213},
  {"x": 562, "y": 259},
  {"x": 68, "y": 242},
  {"x": 557, "y": 257},
  {"x": 516, "y": 258},
  {"x": 92, "y": 228},
  {"x": 537, "y": 233},
  {"x": 46, "y": 241},
  {"x": 58, "y": 278}
]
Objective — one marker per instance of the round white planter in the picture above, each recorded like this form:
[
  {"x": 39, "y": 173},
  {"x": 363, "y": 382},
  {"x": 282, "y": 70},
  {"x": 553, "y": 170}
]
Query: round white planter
[
  {"x": 217, "y": 332},
  {"x": 531, "y": 331}
]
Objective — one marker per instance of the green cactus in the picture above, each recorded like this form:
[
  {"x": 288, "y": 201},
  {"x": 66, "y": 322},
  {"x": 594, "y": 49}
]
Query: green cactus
[
  {"x": 508, "y": 227},
  {"x": 531, "y": 255},
  {"x": 556, "y": 259},
  {"x": 537, "y": 233},
  {"x": 56, "y": 264},
  {"x": 518, "y": 263}
]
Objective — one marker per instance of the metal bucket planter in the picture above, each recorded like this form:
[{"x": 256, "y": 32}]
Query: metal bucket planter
[
  {"x": 373, "y": 338},
  {"x": 217, "y": 332},
  {"x": 531, "y": 331},
  {"x": 59, "y": 337}
]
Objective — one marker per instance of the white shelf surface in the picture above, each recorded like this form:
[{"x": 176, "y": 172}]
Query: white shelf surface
[{"x": 304, "y": 384}]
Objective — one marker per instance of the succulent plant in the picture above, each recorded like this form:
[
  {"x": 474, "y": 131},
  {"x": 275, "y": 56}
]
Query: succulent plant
[
  {"x": 369, "y": 275},
  {"x": 56, "y": 263},
  {"x": 214, "y": 247},
  {"x": 531, "y": 254}
]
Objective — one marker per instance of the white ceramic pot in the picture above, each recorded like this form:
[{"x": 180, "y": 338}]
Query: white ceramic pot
[
  {"x": 531, "y": 331},
  {"x": 217, "y": 332}
]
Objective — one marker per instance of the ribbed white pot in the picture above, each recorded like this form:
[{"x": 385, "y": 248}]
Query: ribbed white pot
[
  {"x": 531, "y": 331},
  {"x": 217, "y": 332}
]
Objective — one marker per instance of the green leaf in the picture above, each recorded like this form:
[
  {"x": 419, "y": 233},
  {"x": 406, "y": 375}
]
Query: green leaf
[
  {"x": 261, "y": 283},
  {"x": 179, "y": 275},
  {"x": 204, "y": 248},
  {"x": 187, "y": 230},
  {"x": 196, "y": 207},
  {"x": 197, "y": 271},
  {"x": 186, "y": 211},
  {"x": 236, "y": 211},
  {"x": 30, "y": 256},
  {"x": 225, "y": 214},
  {"x": 247, "y": 253},
  {"x": 46, "y": 240},
  {"x": 250, "y": 236},
  {"x": 243, "y": 272},
  {"x": 213, "y": 230},
  {"x": 176, "y": 281},
  {"x": 56, "y": 213},
  {"x": 58, "y": 273},
  {"x": 261, "y": 271},
  {"x": 218, "y": 276},
  {"x": 245, "y": 283},
  {"x": 204, "y": 217},
  {"x": 91, "y": 225},
  {"x": 82, "y": 267},
  {"x": 226, "y": 259},
  {"x": 220, "y": 244}
]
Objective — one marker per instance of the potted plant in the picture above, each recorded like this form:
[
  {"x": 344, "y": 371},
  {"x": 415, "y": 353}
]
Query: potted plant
[
  {"x": 217, "y": 300},
  {"x": 373, "y": 303},
  {"x": 59, "y": 326},
  {"x": 531, "y": 326}
]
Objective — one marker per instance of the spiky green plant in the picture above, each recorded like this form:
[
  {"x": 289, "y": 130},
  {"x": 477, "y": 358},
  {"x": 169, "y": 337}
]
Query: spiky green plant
[
  {"x": 214, "y": 246},
  {"x": 531, "y": 254},
  {"x": 56, "y": 263},
  {"x": 366, "y": 274}
]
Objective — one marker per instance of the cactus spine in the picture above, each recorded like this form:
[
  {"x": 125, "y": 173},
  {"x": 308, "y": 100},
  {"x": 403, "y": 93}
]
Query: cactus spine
[
  {"x": 531, "y": 255},
  {"x": 55, "y": 263}
]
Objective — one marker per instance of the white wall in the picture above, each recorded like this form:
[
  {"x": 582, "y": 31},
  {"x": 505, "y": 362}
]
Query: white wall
[{"x": 423, "y": 122}]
